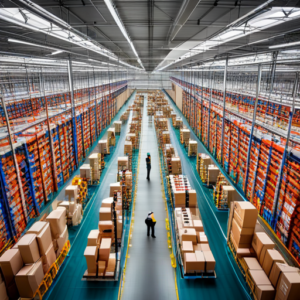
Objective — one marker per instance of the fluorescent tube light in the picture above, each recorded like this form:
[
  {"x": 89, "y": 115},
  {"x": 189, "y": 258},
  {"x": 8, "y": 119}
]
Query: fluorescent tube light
[
  {"x": 56, "y": 52},
  {"x": 30, "y": 44},
  {"x": 285, "y": 45}
]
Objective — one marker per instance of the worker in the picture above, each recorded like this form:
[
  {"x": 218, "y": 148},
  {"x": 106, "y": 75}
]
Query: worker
[
  {"x": 148, "y": 165},
  {"x": 150, "y": 222}
]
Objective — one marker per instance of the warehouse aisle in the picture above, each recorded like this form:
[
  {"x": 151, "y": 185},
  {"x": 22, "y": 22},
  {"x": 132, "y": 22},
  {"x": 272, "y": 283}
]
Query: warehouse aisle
[
  {"x": 229, "y": 283},
  {"x": 149, "y": 274},
  {"x": 69, "y": 284}
]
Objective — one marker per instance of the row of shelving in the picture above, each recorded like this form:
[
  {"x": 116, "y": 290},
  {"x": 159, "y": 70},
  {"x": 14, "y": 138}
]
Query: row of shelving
[
  {"x": 45, "y": 161},
  {"x": 269, "y": 178}
]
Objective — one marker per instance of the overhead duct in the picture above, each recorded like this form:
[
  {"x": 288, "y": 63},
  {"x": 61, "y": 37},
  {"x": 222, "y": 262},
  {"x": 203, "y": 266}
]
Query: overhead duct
[{"x": 184, "y": 13}]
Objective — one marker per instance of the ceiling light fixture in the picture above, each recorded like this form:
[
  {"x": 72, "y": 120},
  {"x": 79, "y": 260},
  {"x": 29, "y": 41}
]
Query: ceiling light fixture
[
  {"x": 31, "y": 44},
  {"x": 56, "y": 52},
  {"x": 113, "y": 12},
  {"x": 285, "y": 45}
]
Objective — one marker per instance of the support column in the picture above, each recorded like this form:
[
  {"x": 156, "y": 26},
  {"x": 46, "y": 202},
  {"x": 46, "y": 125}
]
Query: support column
[
  {"x": 253, "y": 122},
  {"x": 70, "y": 75}
]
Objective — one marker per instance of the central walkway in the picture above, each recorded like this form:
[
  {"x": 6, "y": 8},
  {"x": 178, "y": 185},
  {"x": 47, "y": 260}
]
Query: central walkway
[{"x": 149, "y": 274}]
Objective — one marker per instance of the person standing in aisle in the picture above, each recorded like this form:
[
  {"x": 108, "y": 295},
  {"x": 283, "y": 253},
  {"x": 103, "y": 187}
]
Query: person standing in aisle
[
  {"x": 150, "y": 222},
  {"x": 148, "y": 165}
]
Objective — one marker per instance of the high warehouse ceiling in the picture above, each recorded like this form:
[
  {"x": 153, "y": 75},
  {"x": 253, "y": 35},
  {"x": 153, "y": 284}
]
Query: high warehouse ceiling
[{"x": 154, "y": 35}]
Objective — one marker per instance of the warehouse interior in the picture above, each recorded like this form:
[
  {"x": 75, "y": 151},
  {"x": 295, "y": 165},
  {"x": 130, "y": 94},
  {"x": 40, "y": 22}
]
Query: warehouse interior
[{"x": 203, "y": 95}]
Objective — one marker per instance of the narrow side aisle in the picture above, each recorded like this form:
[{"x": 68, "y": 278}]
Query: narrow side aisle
[
  {"x": 69, "y": 283},
  {"x": 149, "y": 273}
]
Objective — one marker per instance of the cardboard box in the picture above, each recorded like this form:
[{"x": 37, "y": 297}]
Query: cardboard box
[
  {"x": 279, "y": 268},
  {"x": 29, "y": 278},
  {"x": 63, "y": 238},
  {"x": 188, "y": 235},
  {"x": 3, "y": 292},
  {"x": 104, "y": 249},
  {"x": 29, "y": 249},
  {"x": 205, "y": 247},
  {"x": 259, "y": 277},
  {"x": 197, "y": 247},
  {"x": 264, "y": 292},
  {"x": 190, "y": 262},
  {"x": 114, "y": 187},
  {"x": 107, "y": 202},
  {"x": 200, "y": 261},
  {"x": 43, "y": 235},
  {"x": 242, "y": 235},
  {"x": 70, "y": 206},
  {"x": 11, "y": 263},
  {"x": 192, "y": 198},
  {"x": 288, "y": 287},
  {"x": 106, "y": 228},
  {"x": 271, "y": 257},
  {"x": 93, "y": 237},
  {"x": 111, "y": 265},
  {"x": 197, "y": 224},
  {"x": 187, "y": 246},
  {"x": 48, "y": 258},
  {"x": 105, "y": 214},
  {"x": 261, "y": 243},
  {"x": 210, "y": 262},
  {"x": 90, "y": 254},
  {"x": 252, "y": 263},
  {"x": 57, "y": 221},
  {"x": 245, "y": 213},
  {"x": 202, "y": 238},
  {"x": 244, "y": 252},
  {"x": 101, "y": 267}
]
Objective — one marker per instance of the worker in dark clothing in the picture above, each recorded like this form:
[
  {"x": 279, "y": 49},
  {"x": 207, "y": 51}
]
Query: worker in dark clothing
[
  {"x": 148, "y": 164},
  {"x": 150, "y": 222}
]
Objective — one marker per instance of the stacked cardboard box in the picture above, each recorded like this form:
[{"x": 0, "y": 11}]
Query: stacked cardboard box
[
  {"x": 111, "y": 136},
  {"x": 169, "y": 150},
  {"x": 82, "y": 188},
  {"x": 178, "y": 123},
  {"x": 114, "y": 187},
  {"x": 192, "y": 148},
  {"x": 96, "y": 166},
  {"x": 184, "y": 136},
  {"x": 133, "y": 139},
  {"x": 212, "y": 174},
  {"x": 203, "y": 161},
  {"x": 122, "y": 163},
  {"x": 128, "y": 148},
  {"x": 103, "y": 146},
  {"x": 86, "y": 172},
  {"x": 118, "y": 126},
  {"x": 175, "y": 166},
  {"x": 195, "y": 250},
  {"x": 166, "y": 137},
  {"x": 183, "y": 194}
]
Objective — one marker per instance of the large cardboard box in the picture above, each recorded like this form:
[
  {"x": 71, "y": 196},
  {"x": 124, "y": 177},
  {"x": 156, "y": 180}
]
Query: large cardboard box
[
  {"x": 111, "y": 265},
  {"x": 190, "y": 262},
  {"x": 90, "y": 254},
  {"x": 29, "y": 278},
  {"x": 188, "y": 235},
  {"x": 48, "y": 258},
  {"x": 197, "y": 224},
  {"x": 43, "y": 235},
  {"x": 261, "y": 243},
  {"x": 29, "y": 249},
  {"x": 192, "y": 198},
  {"x": 93, "y": 237},
  {"x": 107, "y": 202},
  {"x": 288, "y": 287},
  {"x": 57, "y": 221},
  {"x": 252, "y": 263},
  {"x": 187, "y": 246},
  {"x": 271, "y": 257},
  {"x": 200, "y": 261},
  {"x": 11, "y": 263},
  {"x": 106, "y": 228},
  {"x": 242, "y": 235},
  {"x": 63, "y": 238},
  {"x": 264, "y": 292},
  {"x": 202, "y": 238},
  {"x": 101, "y": 267},
  {"x": 263, "y": 288},
  {"x": 205, "y": 247},
  {"x": 245, "y": 214},
  {"x": 279, "y": 268},
  {"x": 114, "y": 187},
  {"x": 210, "y": 262},
  {"x": 104, "y": 249},
  {"x": 3, "y": 292},
  {"x": 105, "y": 214}
]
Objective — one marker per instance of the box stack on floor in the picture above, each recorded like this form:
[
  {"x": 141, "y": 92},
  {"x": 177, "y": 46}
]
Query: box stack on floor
[
  {"x": 118, "y": 127},
  {"x": 192, "y": 148},
  {"x": 125, "y": 180},
  {"x": 184, "y": 136},
  {"x": 111, "y": 136},
  {"x": 203, "y": 161},
  {"x": 220, "y": 201},
  {"x": 195, "y": 251},
  {"x": 103, "y": 147},
  {"x": 266, "y": 272},
  {"x": 178, "y": 123},
  {"x": 25, "y": 265},
  {"x": 96, "y": 167},
  {"x": 100, "y": 253},
  {"x": 82, "y": 189},
  {"x": 173, "y": 116}
]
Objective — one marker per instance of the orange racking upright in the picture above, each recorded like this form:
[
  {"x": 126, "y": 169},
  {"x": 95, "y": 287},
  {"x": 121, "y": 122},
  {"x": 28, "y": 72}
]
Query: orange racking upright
[
  {"x": 93, "y": 135},
  {"x": 78, "y": 122},
  {"x": 86, "y": 131},
  {"x": 98, "y": 118}
]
